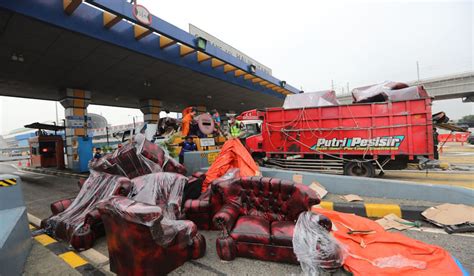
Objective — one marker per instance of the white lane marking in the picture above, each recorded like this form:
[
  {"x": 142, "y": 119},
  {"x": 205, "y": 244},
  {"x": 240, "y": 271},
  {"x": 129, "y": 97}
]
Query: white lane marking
[
  {"x": 34, "y": 220},
  {"x": 439, "y": 231},
  {"x": 93, "y": 255},
  {"x": 34, "y": 175}
]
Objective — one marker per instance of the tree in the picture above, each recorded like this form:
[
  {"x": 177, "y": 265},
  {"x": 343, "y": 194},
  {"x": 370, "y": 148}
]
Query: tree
[{"x": 468, "y": 119}]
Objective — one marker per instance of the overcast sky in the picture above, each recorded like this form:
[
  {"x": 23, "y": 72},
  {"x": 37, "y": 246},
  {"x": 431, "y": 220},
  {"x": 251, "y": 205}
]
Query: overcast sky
[{"x": 312, "y": 44}]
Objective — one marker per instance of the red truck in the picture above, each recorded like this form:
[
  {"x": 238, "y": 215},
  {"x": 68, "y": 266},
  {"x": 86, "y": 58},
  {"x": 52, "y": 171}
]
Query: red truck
[{"x": 356, "y": 138}]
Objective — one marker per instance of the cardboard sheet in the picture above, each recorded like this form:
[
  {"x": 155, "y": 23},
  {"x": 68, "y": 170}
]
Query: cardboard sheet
[
  {"x": 318, "y": 188},
  {"x": 450, "y": 214},
  {"x": 392, "y": 221},
  {"x": 298, "y": 178},
  {"x": 352, "y": 198}
]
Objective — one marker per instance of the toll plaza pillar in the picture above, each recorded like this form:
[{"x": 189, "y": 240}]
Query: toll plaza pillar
[
  {"x": 79, "y": 147},
  {"x": 151, "y": 114}
]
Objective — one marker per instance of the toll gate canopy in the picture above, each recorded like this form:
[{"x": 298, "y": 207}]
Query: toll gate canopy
[{"x": 122, "y": 55}]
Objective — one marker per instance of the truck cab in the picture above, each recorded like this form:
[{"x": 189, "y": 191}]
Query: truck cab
[{"x": 252, "y": 126}]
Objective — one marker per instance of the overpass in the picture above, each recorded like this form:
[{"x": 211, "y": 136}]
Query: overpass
[
  {"x": 441, "y": 88},
  {"x": 111, "y": 52}
]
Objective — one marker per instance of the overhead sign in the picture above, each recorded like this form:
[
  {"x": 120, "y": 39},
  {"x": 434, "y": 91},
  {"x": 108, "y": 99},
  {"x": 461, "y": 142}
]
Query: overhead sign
[
  {"x": 141, "y": 14},
  {"x": 78, "y": 122},
  {"x": 195, "y": 31}
]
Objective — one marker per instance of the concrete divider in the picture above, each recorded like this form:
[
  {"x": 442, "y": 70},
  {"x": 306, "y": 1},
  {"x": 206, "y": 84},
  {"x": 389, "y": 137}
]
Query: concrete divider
[
  {"x": 15, "y": 238},
  {"x": 376, "y": 210},
  {"x": 379, "y": 187},
  {"x": 196, "y": 160}
]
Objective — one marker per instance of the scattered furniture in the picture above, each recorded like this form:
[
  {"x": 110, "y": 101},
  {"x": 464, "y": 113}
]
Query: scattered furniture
[
  {"x": 258, "y": 217},
  {"x": 202, "y": 209},
  {"x": 76, "y": 220},
  {"x": 141, "y": 241}
]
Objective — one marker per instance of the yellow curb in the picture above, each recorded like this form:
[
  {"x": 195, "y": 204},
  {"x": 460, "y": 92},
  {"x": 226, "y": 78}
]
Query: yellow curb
[
  {"x": 374, "y": 210},
  {"x": 72, "y": 259},
  {"x": 45, "y": 239}
]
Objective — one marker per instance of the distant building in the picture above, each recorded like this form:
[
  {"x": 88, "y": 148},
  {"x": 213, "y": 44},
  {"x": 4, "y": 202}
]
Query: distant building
[{"x": 18, "y": 138}]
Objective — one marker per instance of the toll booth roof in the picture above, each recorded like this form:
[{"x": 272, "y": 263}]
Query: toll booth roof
[
  {"x": 44, "y": 126},
  {"x": 52, "y": 49}
]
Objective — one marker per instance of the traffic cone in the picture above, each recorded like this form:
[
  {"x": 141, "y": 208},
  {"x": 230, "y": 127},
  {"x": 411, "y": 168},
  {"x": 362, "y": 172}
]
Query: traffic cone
[{"x": 19, "y": 164}]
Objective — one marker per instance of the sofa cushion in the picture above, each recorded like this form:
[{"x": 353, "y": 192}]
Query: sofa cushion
[
  {"x": 251, "y": 229},
  {"x": 282, "y": 232}
]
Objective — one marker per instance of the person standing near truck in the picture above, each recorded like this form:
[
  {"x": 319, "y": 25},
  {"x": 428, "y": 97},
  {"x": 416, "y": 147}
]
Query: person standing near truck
[{"x": 235, "y": 129}]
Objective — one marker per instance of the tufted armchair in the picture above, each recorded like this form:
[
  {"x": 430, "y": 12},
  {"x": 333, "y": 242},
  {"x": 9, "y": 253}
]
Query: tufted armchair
[
  {"x": 202, "y": 209},
  {"x": 75, "y": 219},
  {"x": 142, "y": 241},
  {"x": 258, "y": 217}
]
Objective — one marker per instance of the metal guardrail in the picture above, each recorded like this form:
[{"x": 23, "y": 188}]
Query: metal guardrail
[
  {"x": 13, "y": 158},
  {"x": 15, "y": 148}
]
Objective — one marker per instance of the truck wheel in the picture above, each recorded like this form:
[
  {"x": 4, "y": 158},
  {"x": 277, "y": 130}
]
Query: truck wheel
[{"x": 365, "y": 169}]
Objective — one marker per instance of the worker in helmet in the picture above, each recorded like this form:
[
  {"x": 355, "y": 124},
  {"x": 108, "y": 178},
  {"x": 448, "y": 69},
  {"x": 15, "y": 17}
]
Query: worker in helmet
[
  {"x": 187, "y": 120},
  {"x": 234, "y": 127}
]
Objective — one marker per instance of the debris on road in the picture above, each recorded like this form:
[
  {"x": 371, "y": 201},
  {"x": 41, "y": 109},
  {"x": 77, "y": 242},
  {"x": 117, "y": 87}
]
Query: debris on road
[
  {"x": 453, "y": 217},
  {"x": 352, "y": 198},
  {"x": 318, "y": 188},
  {"x": 373, "y": 251},
  {"x": 392, "y": 221},
  {"x": 298, "y": 178},
  {"x": 315, "y": 248}
]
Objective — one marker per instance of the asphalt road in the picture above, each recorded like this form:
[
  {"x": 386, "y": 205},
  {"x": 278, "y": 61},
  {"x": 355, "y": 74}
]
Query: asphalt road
[{"x": 40, "y": 190}]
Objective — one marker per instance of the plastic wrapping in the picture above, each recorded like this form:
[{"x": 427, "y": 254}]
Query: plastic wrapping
[
  {"x": 133, "y": 211},
  {"x": 106, "y": 164},
  {"x": 132, "y": 162},
  {"x": 314, "y": 247},
  {"x": 230, "y": 174},
  {"x": 312, "y": 99},
  {"x": 97, "y": 187},
  {"x": 137, "y": 158},
  {"x": 388, "y": 91},
  {"x": 398, "y": 261},
  {"x": 166, "y": 191},
  {"x": 162, "y": 189},
  {"x": 138, "y": 213},
  {"x": 405, "y": 94}
]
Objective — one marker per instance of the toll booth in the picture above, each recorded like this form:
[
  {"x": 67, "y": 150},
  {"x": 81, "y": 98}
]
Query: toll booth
[{"x": 46, "y": 149}]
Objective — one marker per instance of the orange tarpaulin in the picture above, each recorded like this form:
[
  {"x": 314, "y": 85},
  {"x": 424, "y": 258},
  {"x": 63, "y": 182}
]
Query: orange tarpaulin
[
  {"x": 233, "y": 155},
  {"x": 386, "y": 253}
]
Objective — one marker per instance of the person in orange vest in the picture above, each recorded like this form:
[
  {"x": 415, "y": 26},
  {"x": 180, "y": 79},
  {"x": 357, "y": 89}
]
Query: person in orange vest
[{"x": 186, "y": 122}]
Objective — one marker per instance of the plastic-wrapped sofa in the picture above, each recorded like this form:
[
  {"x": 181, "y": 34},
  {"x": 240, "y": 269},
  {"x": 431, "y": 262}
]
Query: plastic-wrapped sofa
[
  {"x": 202, "y": 209},
  {"x": 140, "y": 244},
  {"x": 76, "y": 220},
  {"x": 258, "y": 217}
]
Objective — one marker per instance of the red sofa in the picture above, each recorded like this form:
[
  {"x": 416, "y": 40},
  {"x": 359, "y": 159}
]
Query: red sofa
[
  {"x": 138, "y": 238},
  {"x": 202, "y": 209},
  {"x": 258, "y": 217},
  {"x": 80, "y": 224}
]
